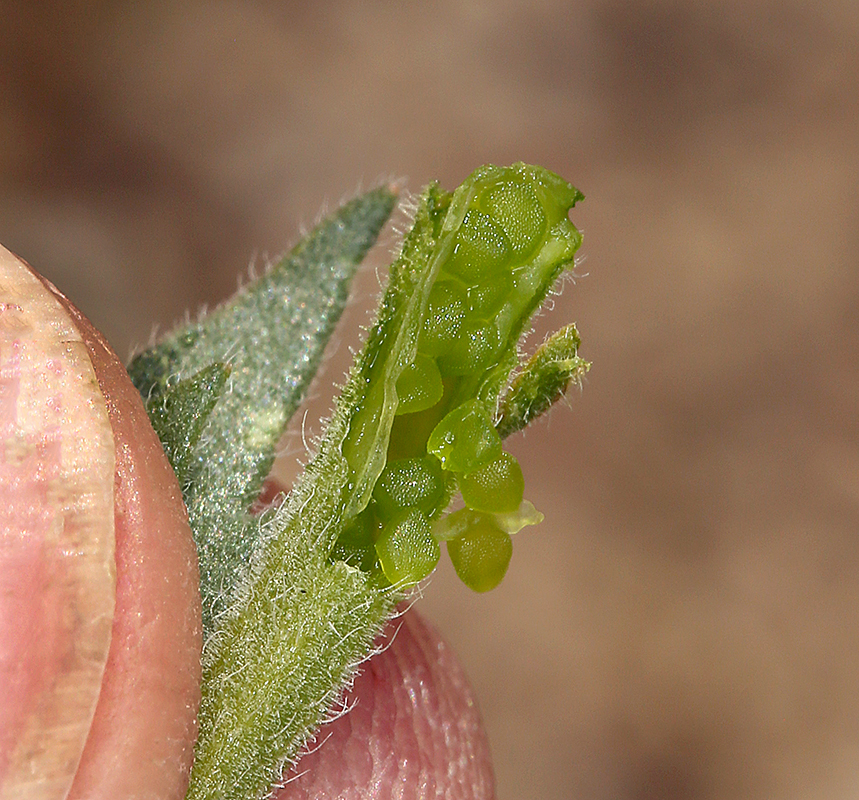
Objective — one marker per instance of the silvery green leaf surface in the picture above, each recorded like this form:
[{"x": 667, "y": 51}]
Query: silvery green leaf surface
[
  {"x": 180, "y": 413},
  {"x": 271, "y": 335}
]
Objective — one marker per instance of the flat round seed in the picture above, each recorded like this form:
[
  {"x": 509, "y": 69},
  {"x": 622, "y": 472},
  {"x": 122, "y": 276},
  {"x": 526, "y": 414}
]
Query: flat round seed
[
  {"x": 409, "y": 483},
  {"x": 446, "y": 307},
  {"x": 419, "y": 386},
  {"x": 516, "y": 209},
  {"x": 475, "y": 350},
  {"x": 481, "y": 248},
  {"x": 465, "y": 438},
  {"x": 496, "y": 487},
  {"x": 406, "y": 549},
  {"x": 481, "y": 555},
  {"x": 489, "y": 295}
]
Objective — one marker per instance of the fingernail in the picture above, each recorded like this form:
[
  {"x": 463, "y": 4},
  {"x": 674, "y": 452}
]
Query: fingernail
[{"x": 57, "y": 575}]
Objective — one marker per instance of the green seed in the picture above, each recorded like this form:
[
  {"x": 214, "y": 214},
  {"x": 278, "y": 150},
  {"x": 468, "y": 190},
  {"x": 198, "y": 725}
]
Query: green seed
[
  {"x": 475, "y": 350},
  {"x": 419, "y": 386},
  {"x": 481, "y": 248},
  {"x": 496, "y": 487},
  {"x": 481, "y": 555},
  {"x": 465, "y": 438},
  {"x": 409, "y": 483},
  {"x": 446, "y": 306},
  {"x": 406, "y": 549},
  {"x": 487, "y": 297},
  {"x": 515, "y": 207},
  {"x": 355, "y": 543}
]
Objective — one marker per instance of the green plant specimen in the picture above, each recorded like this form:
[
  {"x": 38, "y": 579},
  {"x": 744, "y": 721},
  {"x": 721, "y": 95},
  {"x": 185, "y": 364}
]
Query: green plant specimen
[{"x": 294, "y": 600}]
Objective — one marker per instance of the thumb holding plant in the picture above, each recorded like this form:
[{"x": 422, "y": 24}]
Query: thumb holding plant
[{"x": 123, "y": 724}]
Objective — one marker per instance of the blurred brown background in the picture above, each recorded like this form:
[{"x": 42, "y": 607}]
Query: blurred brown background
[{"x": 685, "y": 623}]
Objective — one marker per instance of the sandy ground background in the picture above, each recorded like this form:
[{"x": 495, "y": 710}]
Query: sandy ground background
[{"x": 685, "y": 623}]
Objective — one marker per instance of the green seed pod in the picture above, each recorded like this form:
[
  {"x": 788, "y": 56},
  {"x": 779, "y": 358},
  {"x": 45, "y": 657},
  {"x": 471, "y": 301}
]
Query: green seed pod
[
  {"x": 407, "y": 550},
  {"x": 419, "y": 386},
  {"x": 480, "y": 248},
  {"x": 465, "y": 439},
  {"x": 473, "y": 270},
  {"x": 481, "y": 555},
  {"x": 445, "y": 311},
  {"x": 496, "y": 487},
  {"x": 409, "y": 483},
  {"x": 456, "y": 238}
]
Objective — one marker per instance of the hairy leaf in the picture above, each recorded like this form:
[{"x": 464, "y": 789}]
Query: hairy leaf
[{"x": 271, "y": 335}]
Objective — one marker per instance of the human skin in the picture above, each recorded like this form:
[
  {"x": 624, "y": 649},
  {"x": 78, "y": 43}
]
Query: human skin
[
  {"x": 414, "y": 730},
  {"x": 133, "y": 730}
]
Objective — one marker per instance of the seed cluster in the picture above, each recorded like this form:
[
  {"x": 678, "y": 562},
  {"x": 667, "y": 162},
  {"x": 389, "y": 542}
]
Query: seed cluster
[{"x": 443, "y": 437}]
